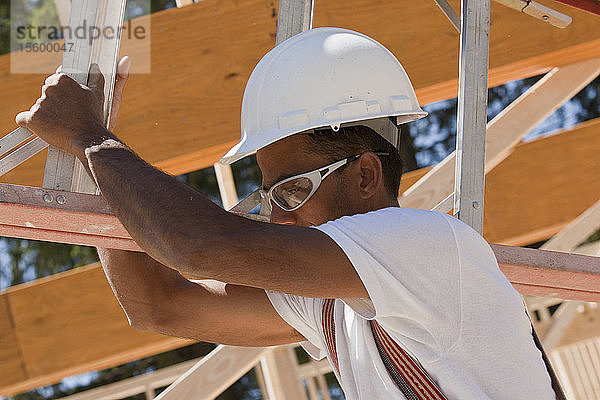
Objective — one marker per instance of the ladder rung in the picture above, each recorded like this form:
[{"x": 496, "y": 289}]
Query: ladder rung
[
  {"x": 21, "y": 155},
  {"x": 13, "y": 139}
]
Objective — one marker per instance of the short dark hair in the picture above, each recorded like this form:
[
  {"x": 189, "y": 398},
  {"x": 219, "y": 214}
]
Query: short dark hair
[{"x": 351, "y": 140}]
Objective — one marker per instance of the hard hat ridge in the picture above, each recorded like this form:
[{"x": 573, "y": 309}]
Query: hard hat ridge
[{"x": 322, "y": 77}]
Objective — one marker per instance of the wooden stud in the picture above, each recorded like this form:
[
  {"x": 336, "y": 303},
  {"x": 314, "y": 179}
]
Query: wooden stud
[
  {"x": 577, "y": 231},
  {"x": 138, "y": 384},
  {"x": 226, "y": 184},
  {"x": 281, "y": 376},
  {"x": 87, "y": 326}
]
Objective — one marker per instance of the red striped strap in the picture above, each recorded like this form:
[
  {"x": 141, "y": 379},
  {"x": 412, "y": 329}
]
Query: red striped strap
[
  {"x": 410, "y": 377},
  {"x": 329, "y": 332}
]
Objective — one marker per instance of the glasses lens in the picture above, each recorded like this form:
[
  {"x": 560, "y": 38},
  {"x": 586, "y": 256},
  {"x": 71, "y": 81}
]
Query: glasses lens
[{"x": 292, "y": 193}]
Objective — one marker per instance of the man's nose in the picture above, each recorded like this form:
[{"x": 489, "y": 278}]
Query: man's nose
[{"x": 279, "y": 216}]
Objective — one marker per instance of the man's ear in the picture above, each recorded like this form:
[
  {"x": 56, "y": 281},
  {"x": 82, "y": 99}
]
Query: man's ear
[{"x": 371, "y": 175}]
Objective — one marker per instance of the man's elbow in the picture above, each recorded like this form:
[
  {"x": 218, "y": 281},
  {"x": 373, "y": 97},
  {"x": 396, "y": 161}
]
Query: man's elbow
[{"x": 143, "y": 316}]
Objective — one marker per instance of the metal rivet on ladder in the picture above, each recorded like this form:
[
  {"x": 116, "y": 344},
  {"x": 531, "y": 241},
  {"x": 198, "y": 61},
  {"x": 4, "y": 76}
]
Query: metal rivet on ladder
[
  {"x": 48, "y": 198},
  {"x": 60, "y": 199},
  {"x": 475, "y": 204}
]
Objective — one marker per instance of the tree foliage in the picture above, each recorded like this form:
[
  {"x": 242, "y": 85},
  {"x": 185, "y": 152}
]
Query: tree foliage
[{"x": 25, "y": 260}]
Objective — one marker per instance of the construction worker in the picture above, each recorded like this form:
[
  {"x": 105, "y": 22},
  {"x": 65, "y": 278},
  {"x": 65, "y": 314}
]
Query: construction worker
[{"x": 378, "y": 289}]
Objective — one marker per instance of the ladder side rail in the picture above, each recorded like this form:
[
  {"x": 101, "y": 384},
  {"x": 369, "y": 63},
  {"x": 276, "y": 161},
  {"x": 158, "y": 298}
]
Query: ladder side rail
[
  {"x": 21, "y": 155},
  {"x": 294, "y": 16},
  {"x": 472, "y": 112},
  {"x": 64, "y": 171}
]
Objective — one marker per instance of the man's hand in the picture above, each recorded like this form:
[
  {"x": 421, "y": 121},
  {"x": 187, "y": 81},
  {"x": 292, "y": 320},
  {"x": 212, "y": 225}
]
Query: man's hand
[{"x": 70, "y": 116}]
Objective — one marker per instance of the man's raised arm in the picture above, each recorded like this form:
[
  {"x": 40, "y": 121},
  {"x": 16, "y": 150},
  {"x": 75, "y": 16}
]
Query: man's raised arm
[{"x": 175, "y": 225}]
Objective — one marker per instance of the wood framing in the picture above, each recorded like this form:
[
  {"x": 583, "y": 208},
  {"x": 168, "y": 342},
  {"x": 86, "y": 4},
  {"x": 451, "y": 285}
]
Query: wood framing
[
  {"x": 194, "y": 90},
  {"x": 525, "y": 191},
  {"x": 471, "y": 116},
  {"x": 88, "y": 326},
  {"x": 62, "y": 10},
  {"x": 74, "y": 314},
  {"x": 214, "y": 373},
  {"x": 577, "y": 231},
  {"x": 282, "y": 380},
  {"x": 507, "y": 129},
  {"x": 585, "y": 326},
  {"x": 226, "y": 185}
]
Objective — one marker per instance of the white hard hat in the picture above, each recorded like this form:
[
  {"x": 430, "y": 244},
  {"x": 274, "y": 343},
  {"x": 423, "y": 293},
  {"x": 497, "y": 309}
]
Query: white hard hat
[{"x": 322, "y": 77}]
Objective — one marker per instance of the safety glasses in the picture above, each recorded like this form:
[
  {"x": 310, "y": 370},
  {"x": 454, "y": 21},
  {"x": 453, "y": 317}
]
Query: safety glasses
[{"x": 292, "y": 193}]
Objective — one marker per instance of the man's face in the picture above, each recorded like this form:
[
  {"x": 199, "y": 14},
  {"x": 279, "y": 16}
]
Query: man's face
[{"x": 289, "y": 157}]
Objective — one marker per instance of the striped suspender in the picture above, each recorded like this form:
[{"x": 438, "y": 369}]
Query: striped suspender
[{"x": 407, "y": 373}]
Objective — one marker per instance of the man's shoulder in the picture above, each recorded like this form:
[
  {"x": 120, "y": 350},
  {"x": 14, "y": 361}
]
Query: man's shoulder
[
  {"x": 395, "y": 229},
  {"x": 391, "y": 212},
  {"x": 390, "y": 219}
]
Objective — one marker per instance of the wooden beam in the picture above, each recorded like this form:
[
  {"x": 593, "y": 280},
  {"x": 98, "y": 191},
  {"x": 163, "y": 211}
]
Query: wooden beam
[
  {"x": 75, "y": 314},
  {"x": 226, "y": 184},
  {"x": 567, "y": 240},
  {"x": 63, "y": 7},
  {"x": 183, "y": 3},
  {"x": 561, "y": 320},
  {"x": 129, "y": 387},
  {"x": 193, "y": 93},
  {"x": 282, "y": 380},
  {"x": 577, "y": 231},
  {"x": 214, "y": 373},
  {"x": 585, "y": 326}
]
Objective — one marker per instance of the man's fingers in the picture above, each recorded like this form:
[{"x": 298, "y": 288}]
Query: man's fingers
[
  {"x": 122, "y": 76},
  {"x": 123, "y": 68},
  {"x": 96, "y": 79},
  {"x": 52, "y": 79},
  {"x": 120, "y": 81},
  {"x": 23, "y": 118}
]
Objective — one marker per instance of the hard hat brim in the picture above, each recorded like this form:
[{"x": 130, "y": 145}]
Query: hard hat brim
[{"x": 247, "y": 146}]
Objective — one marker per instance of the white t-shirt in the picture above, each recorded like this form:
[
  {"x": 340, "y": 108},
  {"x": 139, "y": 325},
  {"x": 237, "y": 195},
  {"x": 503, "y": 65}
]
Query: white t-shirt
[{"x": 435, "y": 287}]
